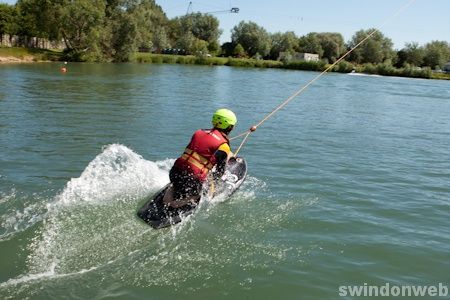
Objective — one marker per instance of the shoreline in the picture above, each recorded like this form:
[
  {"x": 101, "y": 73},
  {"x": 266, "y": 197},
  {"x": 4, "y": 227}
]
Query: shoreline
[
  {"x": 343, "y": 67},
  {"x": 150, "y": 58},
  {"x": 18, "y": 55},
  {"x": 17, "y": 60}
]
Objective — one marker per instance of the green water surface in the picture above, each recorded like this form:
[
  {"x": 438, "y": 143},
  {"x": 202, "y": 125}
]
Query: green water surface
[{"x": 348, "y": 184}]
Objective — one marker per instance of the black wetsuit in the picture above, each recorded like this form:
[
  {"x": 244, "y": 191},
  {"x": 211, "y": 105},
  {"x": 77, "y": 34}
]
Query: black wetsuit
[{"x": 187, "y": 185}]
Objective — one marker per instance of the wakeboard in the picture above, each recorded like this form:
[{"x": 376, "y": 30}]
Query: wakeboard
[{"x": 158, "y": 215}]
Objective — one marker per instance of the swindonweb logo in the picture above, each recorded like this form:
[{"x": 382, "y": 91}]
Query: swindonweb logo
[{"x": 388, "y": 290}]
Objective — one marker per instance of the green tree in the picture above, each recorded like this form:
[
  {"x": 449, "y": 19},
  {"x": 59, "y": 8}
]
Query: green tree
[
  {"x": 186, "y": 42},
  {"x": 7, "y": 19},
  {"x": 253, "y": 38},
  {"x": 124, "y": 39},
  {"x": 199, "y": 47},
  {"x": 376, "y": 49},
  {"x": 412, "y": 54},
  {"x": 332, "y": 44},
  {"x": 159, "y": 39},
  {"x": 283, "y": 42},
  {"x": 204, "y": 27},
  {"x": 81, "y": 24},
  {"x": 310, "y": 43},
  {"x": 96, "y": 29},
  {"x": 27, "y": 15},
  {"x": 437, "y": 54},
  {"x": 401, "y": 58},
  {"x": 239, "y": 51},
  {"x": 214, "y": 48},
  {"x": 227, "y": 49},
  {"x": 150, "y": 21},
  {"x": 371, "y": 52},
  {"x": 78, "y": 22},
  {"x": 132, "y": 24},
  {"x": 42, "y": 18}
]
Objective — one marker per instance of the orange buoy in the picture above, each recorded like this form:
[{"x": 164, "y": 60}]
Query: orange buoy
[{"x": 63, "y": 69}]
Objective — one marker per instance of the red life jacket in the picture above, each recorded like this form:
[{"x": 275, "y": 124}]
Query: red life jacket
[{"x": 198, "y": 157}]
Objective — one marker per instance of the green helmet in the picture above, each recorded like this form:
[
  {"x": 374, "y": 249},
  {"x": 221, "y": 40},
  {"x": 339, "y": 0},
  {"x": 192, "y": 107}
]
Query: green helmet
[{"x": 224, "y": 118}]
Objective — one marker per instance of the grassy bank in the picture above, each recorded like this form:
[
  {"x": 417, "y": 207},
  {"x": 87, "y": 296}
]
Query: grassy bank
[
  {"x": 212, "y": 61},
  {"x": 18, "y": 54},
  {"x": 444, "y": 76},
  {"x": 342, "y": 67}
]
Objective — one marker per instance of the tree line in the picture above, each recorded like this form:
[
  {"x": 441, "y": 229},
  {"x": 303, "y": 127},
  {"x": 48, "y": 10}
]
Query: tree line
[{"x": 113, "y": 30}]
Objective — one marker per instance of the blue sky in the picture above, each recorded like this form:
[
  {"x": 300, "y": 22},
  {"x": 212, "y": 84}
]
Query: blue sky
[{"x": 422, "y": 22}]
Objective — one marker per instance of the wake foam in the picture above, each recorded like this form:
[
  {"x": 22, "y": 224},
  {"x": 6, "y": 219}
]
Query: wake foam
[
  {"x": 91, "y": 230},
  {"x": 14, "y": 220},
  {"x": 88, "y": 220},
  {"x": 114, "y": 172}
]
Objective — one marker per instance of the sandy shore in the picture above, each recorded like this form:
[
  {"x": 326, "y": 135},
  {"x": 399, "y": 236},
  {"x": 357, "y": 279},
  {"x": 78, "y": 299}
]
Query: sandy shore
[{"x": 12, "y": 59}]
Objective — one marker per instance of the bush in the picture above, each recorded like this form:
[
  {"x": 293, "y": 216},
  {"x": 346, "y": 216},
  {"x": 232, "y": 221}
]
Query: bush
[
  {"x": 143, "y": 58},
  {"x": 271, "y": 64},
  {"x": 344, "y": 67},
  {"x": 201, "y": 61},
  {"x": 386, "y": 69},
  {"x": 240, "y": 62},
  {"x": 186, "y": 60},
  {"x": 169, "y": 59},
  {"x": 216, "y": 61},
  {"x": 368, "y": 68},
  {"x": 157, "y": 59},
  {"x": 71, "y": 55},
  {"x": 306, "y": 65},
  {"x": 416, "y": 72},
  {"x": 440, "y": 75}
]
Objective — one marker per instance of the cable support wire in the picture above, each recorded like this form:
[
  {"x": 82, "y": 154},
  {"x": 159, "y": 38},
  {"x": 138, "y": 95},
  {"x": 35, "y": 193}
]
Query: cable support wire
[{"x": 297, "y": 93}]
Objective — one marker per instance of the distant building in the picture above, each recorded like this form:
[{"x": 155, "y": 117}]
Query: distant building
[
  {"x": 296, "y": 56},
  {"x": 446, "y": 68}
]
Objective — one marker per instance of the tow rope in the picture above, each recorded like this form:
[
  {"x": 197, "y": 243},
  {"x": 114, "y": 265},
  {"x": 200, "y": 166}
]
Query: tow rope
[{"x": 247, "y": 133}]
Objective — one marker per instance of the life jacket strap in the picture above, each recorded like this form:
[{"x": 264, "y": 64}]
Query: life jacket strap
[{"x": 197, "y": 160}]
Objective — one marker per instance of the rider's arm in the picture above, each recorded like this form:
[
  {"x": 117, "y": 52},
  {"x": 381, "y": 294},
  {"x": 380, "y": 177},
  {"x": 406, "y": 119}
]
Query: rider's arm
[{"x": 222, "y": 154}]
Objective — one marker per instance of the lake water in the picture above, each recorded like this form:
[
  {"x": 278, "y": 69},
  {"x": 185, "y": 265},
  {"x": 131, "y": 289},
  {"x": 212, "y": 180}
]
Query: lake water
[{"x": 348, "y": 185}]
